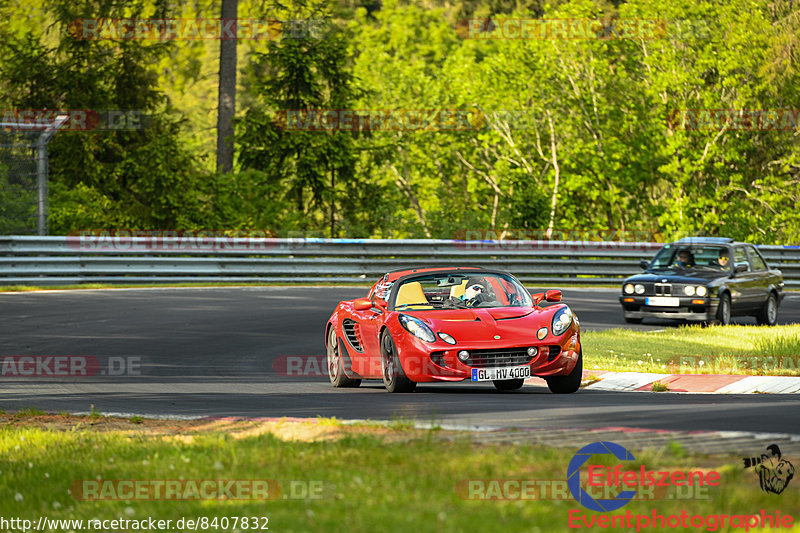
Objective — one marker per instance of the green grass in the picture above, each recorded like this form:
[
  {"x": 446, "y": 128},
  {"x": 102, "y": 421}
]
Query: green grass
[
  {"x": 754, "y": 350},
  {"x": 660, "y": 387},
  {"x": 379, "y": 480},
  {"x": 28, "y": 411}
]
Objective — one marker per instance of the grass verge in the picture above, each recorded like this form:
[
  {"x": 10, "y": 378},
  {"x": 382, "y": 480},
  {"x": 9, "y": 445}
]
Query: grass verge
[
  {"x": 752, "y": 350},
  {"x": 375, "y": 478}
]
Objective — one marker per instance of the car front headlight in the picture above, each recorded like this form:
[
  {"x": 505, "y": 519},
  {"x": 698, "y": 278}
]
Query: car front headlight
[
  {"x": 562, "y": 320},
  {"x": 447, "y": 338},
  {"x": 628, "y": 288},
  {"x": 701, "y": 291},
  {"x": 639, "y": 288},
  {"x": 688, "y": 290},
  {"x": 417, "y": 327}
]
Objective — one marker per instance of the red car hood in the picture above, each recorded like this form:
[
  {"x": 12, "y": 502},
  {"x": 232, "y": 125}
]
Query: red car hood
[{"x": 512, "y": 324}]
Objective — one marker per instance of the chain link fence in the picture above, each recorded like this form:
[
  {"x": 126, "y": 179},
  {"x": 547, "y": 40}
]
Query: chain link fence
[{"x": 19, "y": 182}]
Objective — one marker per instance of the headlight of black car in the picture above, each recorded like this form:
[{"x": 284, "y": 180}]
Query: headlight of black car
[
  {"x": 562, "y": 320},
  {"x": 691, "y": 290},
  {"x": 628, "y": 288},
  {"x": 417, "y": 327}
]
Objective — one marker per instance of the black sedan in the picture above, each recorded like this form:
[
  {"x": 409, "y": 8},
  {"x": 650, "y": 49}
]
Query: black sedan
[{"x": 704, "y": 279}]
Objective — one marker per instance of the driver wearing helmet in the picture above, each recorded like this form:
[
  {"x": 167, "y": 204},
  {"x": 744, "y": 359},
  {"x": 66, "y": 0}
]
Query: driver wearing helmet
[{"x": 477, "y": 291}]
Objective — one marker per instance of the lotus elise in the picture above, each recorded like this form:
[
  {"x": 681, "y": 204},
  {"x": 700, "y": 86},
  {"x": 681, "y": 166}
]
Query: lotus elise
[{"x": 453, "y": 324}]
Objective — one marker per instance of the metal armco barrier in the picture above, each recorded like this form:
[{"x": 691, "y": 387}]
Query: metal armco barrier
[{"x": 31, "y": 260}]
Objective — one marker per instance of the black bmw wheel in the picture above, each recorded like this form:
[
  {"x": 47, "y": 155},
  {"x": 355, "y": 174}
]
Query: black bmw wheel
[
  {"x": 768, "y": 316},
  {"x": 724, "y": 310},
  {"x": 508, "y": 384},
  {"x": 334, "y": 363},
  {"x": 569, "y": 383},
  {"x": 394, "y": 378}
]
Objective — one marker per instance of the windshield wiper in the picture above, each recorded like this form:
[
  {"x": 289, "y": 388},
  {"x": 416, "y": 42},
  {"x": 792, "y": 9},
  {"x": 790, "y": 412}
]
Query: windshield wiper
[{"x": 403, "y": 306}]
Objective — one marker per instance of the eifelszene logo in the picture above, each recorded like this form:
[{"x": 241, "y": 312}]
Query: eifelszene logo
[
  {"x": 774, "y": 472},
  {"x": 638, "y": 478}
]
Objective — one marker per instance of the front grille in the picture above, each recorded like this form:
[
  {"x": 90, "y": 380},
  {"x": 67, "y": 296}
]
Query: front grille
[
  {"x": 351, "y": 331},
  {"x": 498, "y": 358},
  {"x": 502, "y": 357},
  {"x": 663, "y": 289}
]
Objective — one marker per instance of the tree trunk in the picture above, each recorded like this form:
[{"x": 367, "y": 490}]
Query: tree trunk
[
  {"x": 333, "y": 203},
  {"x": 554, "y": 197},
  {"x": 227, "y": 91}
]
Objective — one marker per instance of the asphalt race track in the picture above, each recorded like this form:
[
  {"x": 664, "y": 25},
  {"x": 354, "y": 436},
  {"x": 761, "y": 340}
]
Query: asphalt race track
[{"x": 215, "y": 352}]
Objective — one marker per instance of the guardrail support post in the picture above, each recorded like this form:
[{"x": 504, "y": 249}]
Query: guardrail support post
[{"x": 41, "y": 173}]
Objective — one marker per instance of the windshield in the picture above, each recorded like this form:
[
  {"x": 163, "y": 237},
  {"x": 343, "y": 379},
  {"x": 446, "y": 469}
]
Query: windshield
[
  {"x": 692, "y": 257},
  {"x": 458, "y": 290}
]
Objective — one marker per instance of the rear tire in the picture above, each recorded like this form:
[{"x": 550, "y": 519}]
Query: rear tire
[
  {"x": 334, "y": 363},
  {"x": 508, "y": 384},
  {"x": 768, "y": 316},
  {"x": 569, "y": 383},
  {"x": 394, "y": 378}
]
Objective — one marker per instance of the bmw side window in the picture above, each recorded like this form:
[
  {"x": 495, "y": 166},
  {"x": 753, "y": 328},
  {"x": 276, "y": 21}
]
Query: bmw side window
[
  {"x": 756, "y": 259},
  {"x": 740, "y": 258}
]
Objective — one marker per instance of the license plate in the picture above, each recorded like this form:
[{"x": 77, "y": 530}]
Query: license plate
[
  {"x": 662, "y": 301},
  {"x": 512, "y": 372}
]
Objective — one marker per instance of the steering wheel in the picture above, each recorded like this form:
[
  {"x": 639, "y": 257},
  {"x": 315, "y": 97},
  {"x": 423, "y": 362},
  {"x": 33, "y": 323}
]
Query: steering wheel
[{"x": 478, "y": 299}]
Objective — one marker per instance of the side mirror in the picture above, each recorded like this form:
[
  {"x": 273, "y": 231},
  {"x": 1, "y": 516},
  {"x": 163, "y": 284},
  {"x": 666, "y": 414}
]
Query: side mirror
[
  {"x": 362, "y": 304},
  {"x": 644, "y": 264},
  {"x": 553, "y": 296},
  {"x": 740, "y": 268},
  {"x": 537, "y": 298}
]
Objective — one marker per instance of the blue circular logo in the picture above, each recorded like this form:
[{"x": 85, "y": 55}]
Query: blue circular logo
[{"x": 574, "y": 476}]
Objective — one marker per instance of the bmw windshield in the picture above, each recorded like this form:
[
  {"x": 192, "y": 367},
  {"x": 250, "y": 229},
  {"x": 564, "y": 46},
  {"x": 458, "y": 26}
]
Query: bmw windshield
[{"x": 692, "y": 258}]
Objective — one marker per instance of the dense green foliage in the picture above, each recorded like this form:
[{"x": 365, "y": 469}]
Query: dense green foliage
[{"x": 573, "y": 134}]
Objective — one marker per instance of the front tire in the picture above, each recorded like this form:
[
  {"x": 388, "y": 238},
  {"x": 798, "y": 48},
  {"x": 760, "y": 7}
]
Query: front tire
[
  {"x": 334, "y": 363},
  {"x": 508, "y": 384},
  {"x": 394, "y": 378},
  {"x": 569, "y": 383},
  {"x": 724, "y": 310},
  {"x": 768, "y": 316}
]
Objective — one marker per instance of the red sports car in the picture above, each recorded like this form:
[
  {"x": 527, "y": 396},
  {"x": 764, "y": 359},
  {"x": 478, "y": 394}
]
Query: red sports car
[{"x": 453, "y": 324}]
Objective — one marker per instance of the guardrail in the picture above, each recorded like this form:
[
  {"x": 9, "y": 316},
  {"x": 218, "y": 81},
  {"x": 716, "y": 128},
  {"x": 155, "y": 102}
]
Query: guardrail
[{"x": 31, "y": 260}]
